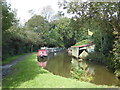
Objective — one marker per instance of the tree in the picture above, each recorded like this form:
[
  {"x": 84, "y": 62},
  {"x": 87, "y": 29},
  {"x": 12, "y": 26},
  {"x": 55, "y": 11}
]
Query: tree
[
  {"x": 64, "y": 33},
  {"x": 102, "y": 18},
  {"x": 8, "y": 17},
  {"x": 47, "y": 13},
  {"x": 16, "y": 39},
  {"x": 116, "y": 46},
  {"x": 38, "y": 25},
  {"x": 8, "y": 20}
]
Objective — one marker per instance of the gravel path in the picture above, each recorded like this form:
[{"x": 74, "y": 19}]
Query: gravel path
[{"x": 6, "y": 69}]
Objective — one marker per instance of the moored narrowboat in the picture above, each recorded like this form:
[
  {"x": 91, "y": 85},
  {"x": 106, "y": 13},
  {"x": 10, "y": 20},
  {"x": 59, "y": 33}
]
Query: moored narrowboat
[{"x": 42, "y": 54}]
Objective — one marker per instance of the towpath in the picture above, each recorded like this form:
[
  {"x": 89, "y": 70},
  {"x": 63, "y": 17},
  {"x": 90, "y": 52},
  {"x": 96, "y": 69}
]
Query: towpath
[{"x": 6, "y": 69}]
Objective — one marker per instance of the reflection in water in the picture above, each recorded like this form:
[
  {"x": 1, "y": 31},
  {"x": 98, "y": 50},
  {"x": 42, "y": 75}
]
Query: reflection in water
[
  {"x": 42, "y": 61},
  {"x": 60, "y": 64},
  {"x": 42, "y": 64},
  {"x": 102, "y": 76}
]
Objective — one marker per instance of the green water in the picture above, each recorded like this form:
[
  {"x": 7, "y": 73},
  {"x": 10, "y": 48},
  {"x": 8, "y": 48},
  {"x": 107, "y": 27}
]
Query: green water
[{"x": 60, "y": 64}]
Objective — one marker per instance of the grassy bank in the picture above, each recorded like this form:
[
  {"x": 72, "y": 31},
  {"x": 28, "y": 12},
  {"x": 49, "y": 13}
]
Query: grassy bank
[
  {"x": 83, "y": 42},
  {"x": 10, "y": 59},
  {"x": 27, "y": 74}
]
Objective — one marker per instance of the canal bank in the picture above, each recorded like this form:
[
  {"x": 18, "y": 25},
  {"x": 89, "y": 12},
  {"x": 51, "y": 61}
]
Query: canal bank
[{"x": 30, "y": 75}]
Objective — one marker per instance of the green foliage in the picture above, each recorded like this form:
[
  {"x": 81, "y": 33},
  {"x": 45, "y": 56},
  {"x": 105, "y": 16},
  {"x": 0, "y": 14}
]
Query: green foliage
[
  {"x": 25, "y": 39},
  {"x": 61, "y": 33},
  {"x": 18, "y": 40},
  {"x": 116, "y": 52},
  {"x": 83, "y": 42},
  {"x": 39, "y": 26},
  {"x": 8, "y": 20},
  {"x": 54, "y": 38},
  {"x": 103, "y": 19},
  {"x": 117, "y": 72},
  {"x": 8, "y": 17},
  {"x": 37, "y": 23},
  {"x": 97, "y": 57},
  {"x": 80, "y": 72},
  {"x": 77, "y": 73}
]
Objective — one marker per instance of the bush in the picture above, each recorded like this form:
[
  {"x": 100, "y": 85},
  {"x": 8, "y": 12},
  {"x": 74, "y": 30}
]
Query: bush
[
  {"x": 117, "y": 73},
  {"x": 81, "y": 73},
  {"x": 97, "y": 57}
]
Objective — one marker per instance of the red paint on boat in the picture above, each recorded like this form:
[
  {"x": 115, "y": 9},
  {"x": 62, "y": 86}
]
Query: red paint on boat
[
  {"x": 42, "y": 52},
  {"x": 42, "y": 64}
]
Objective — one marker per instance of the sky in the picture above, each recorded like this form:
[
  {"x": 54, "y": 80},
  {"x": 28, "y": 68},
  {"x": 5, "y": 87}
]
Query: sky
[{"x": 23, "y": 6}]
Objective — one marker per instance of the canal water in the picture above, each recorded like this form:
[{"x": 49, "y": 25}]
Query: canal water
[{"x": 60, "y": 64}]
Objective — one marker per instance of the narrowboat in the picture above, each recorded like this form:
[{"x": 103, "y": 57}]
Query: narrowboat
[{"x": 42, "y": 54}]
